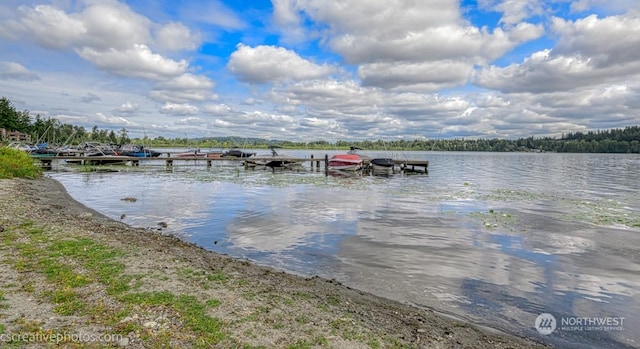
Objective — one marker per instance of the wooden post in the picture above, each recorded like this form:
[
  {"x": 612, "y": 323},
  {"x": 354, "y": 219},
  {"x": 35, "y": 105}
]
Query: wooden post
[
  {"x": 311, "y": 162},
  {"x": 326, "y": 164},
  {"x": 208, "y": 163}
]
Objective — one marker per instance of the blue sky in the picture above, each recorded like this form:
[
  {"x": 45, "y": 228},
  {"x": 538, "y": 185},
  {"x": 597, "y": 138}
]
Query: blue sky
[{"x": 309, "y": 70}]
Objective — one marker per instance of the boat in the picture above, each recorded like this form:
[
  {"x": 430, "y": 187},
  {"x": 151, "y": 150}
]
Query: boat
[
  {"x": 273, "y": 160},
  {"x": 346, "y": 162},
  {"x": 190, "y": 153},
  {"x": 216, "y": 154},
  {"x": 236, "y": 153},
  {"x": 381, "y": 164},
  {"x": 22, "y": 146},
  {"x": 138, "y": 151},
  {"x": 94, "y": 153},
  {"x": 197, "y": 153}
]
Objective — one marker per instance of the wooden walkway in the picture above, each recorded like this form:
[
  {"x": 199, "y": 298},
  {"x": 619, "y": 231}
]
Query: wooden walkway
[{"x": 420, "y": 166}]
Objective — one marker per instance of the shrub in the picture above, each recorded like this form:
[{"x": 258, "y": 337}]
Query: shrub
[{"x": 17, "y": 163}]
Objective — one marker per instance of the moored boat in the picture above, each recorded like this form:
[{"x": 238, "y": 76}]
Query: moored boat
[
  {"x": 346, "y": 162},
  {"x": 381, "y": 164},
  {"x": 273, "y": 160},
  {"x": 139, "y": 151},
  {"x": 236, "y": 153},
  {"x": 191, "y": 153}
]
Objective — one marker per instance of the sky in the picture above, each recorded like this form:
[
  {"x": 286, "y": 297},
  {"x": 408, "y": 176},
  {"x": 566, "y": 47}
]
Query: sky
[{"x": 307, "y": 70}]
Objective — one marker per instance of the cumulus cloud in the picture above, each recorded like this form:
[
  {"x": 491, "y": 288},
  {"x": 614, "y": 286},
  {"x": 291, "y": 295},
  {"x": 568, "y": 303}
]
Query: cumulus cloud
[
  {"x": 608, "y": 41},
  {"x": 184, "y": 88},
  {"x": 191, "y": 120},
  {"x": 217, "y": 109},
  {"x": 514, "y": 11},
  {"x": 127, "y": 108},
  {"x": 386, "y": 37},
  {"x": 46, "y": 25},
  {"x": 427, "y": 76},
  {"x": 106, "y": 33},
  {"x": 175, "y": 37},
  {"x": 138, "y": 61},
  {"x": 16, "y": 71},
  {"x": 263, "y": 64},
  {"x": 590, "y": 51},
  {"x": 178, "y": 109},
  {"x": 102, "y": 25}
]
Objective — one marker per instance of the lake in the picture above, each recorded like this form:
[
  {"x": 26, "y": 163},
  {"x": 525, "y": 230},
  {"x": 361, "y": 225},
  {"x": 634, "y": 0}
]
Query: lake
[{"x": 493, "y": 238}]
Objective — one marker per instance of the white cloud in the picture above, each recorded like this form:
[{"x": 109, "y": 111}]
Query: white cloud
[
  {"x": 128, "y": 108},
  {"x": 514, "y": 11},
  {"x": 396, "y": 42},
  {"x": 184, "y": 88},
  {"x": 590, "y": 51},
  {"x": 427, "y": 76},
  {"x": 16, "y": 71},
  {"x": 178, "y": 109},
  {"x": 175, "y": 37},
  {"x": 191, "y": 120},
  {"x": 606, "y": 41},
  {"x": 46, "y": 25},
  {"x": 217, "y": 109},
  {"x": 112, "y": 25},
  {"x": 263, "y": 64},
  {"x": 137, "y": 61}
]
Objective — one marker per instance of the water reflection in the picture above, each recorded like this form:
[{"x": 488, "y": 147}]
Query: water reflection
[{"x": 495, "y": 238}]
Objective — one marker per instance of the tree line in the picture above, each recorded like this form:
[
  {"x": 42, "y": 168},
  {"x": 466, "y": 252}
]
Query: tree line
[{"x": 626, "y": 140}]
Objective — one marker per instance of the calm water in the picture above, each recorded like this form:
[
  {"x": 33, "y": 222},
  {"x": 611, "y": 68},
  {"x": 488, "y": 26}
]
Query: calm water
[{"x": 493, "y": 238}]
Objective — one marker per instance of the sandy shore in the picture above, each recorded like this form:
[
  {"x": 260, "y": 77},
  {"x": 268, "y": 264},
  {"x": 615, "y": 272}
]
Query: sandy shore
[{"x": 67, "y": 270}]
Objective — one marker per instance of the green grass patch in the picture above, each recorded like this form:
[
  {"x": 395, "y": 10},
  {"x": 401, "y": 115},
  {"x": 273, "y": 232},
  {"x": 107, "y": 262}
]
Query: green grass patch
[
  {"x": 17, "y": 164},
  {"x": 98, "y": 259},
  {"x": 209, "y": 330},
  {"x": 67, "y": 302},
  {"x": 333, "y": 300}
]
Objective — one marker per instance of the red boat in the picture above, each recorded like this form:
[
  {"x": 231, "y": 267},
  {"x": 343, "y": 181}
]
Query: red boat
[{"x": 346, "y": 162}]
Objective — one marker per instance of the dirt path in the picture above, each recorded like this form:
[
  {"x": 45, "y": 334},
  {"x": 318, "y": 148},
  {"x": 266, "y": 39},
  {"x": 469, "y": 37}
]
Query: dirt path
[{"x": 73, "y": 276}]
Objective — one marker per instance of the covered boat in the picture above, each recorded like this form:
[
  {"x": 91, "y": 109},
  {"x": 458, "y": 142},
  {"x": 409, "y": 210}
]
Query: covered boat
[
  {"x": 382, "y": 164},
  {"x": 236, "y": 153},
  {"x": 139, "y": 151},
  {"x": 273, "y": 160},
  {"x": 346, "y": 162}
]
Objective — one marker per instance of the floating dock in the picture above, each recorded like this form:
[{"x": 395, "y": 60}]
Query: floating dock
[{"x": 419, "y": 166}]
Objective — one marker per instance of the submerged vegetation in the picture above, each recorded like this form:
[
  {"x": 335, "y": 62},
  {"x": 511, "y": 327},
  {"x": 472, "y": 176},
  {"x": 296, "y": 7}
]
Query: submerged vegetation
[{"x": 625, "y": 140}]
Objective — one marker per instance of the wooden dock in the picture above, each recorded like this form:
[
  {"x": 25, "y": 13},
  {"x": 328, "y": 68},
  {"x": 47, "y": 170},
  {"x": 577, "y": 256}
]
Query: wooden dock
[{"x": 418, "y": 166}]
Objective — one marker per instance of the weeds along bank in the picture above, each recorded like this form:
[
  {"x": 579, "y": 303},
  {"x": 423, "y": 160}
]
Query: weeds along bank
[{"x": 15, "y": 163}]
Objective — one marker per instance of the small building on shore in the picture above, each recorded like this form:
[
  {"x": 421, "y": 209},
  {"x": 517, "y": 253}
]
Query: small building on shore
[{"x": 14, "y": 136}]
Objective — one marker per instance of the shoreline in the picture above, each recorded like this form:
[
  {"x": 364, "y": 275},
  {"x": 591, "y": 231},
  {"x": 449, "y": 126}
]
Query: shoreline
[{"x": 143, "y": 298}]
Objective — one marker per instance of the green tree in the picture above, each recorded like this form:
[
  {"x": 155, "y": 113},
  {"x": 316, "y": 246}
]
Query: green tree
[{"x": 13, "y": 120}]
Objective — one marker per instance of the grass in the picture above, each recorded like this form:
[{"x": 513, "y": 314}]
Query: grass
[
  {"x": 69, "y": 265},
  {"x": 194, "y": 313},
  {"x": 17, "y": 164}
]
